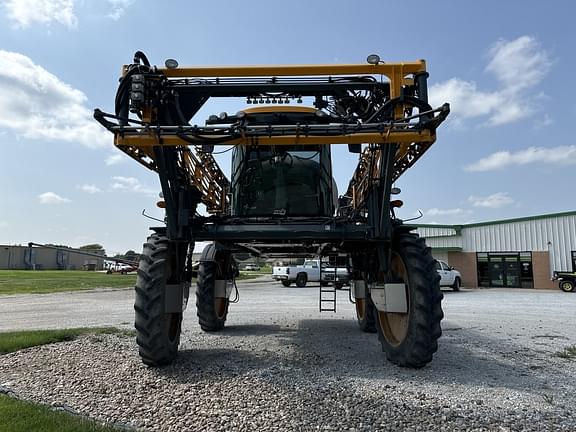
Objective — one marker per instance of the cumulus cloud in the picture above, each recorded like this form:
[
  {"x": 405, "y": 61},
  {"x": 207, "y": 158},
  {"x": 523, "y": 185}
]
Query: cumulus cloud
[
  {"x": 444, "y": 212},
  {"x": 119, "y": 8},
  {"x": 518, "y": 66},
  {"x": 497, "y": 200},
  {"x": 52, "y": 198},
  {"x": 115, "y": 159},
  {"x": 36, "y": 104},
  {"x": 88, "y": 188},
  {"x": 131, "y": 184},
  {"x": 24, "y": 13},
  {"x": 561, "y": 155}
]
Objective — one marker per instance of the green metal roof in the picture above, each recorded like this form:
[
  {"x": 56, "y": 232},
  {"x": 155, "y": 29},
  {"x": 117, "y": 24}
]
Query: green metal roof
[{"x": 498, "y": 222}]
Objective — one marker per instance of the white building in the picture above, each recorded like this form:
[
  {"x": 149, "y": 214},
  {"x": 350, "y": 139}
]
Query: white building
[{"x": 514, "y": 253}]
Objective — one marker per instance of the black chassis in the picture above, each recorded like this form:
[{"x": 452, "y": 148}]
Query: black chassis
[{"x": 368, "y": 238}]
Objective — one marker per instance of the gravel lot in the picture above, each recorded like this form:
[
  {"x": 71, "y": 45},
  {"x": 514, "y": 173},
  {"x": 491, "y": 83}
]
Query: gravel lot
[{"x": 281, "y": 366}]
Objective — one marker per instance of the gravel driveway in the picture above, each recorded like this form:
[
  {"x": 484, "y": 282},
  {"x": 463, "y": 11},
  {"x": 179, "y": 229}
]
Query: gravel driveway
[{"x": 281, "y": 366}]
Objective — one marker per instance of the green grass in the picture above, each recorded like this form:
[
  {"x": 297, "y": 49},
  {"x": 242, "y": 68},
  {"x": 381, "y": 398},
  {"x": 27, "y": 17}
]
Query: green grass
[
  {"x": 17, "y": 340},
  {"x": 20, "y": 416},
  {"x": 49, "y": 281},
  {"x": 567, "y": 353}
]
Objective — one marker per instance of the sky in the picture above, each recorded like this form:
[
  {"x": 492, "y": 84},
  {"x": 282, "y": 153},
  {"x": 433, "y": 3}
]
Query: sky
[{"x": 507, "y": 149}]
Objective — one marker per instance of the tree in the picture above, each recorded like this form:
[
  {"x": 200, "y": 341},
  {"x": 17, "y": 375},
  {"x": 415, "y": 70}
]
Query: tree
[
  {"x": 131, "y": 255},
  {"x": 94, "y": 248}
]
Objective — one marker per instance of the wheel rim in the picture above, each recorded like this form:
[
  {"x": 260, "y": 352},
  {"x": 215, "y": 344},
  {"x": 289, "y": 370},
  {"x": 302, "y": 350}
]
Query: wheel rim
[
  {"x": 360, "y": 308},
  {"x": 567, "y": 286},
  {"x": 394, "y": 326}
]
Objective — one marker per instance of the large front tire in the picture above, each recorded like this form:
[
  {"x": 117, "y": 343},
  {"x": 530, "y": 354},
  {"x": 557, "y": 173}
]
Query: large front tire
[
  {"x": 157, "y": 332},
  {"x": 410, "y": 339}
]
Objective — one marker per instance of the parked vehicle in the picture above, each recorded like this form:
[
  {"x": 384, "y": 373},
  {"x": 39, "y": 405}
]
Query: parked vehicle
[
  {"x": 449, "y": 277},
  {"x": 251, "y": 267},
  {"x": 339, "y": 276},
  {"x": 121, "y": 268},
  {"x": 281, "y": 199},
  {"x": 567, "y": 280},
  {"x": 301, "y": 274}
]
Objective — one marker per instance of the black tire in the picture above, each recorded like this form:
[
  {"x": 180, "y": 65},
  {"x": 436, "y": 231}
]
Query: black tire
[
  {"x": 411, "y": 339},
  {"x": 212, "y": 311},
  {"x": 157, "y": 332},
  {"x": 456, "y": 284},
  {"x": 566, "y": 286},
  {"x": 286, "y": 283},
  {"x": 301, "y": 280},
  {"x": 365, "y": 315}
]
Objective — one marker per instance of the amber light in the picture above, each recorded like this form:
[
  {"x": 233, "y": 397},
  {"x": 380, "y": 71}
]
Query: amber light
[
  {"x": 161, "y": 204},
  {"x": 396, "y": 203}
]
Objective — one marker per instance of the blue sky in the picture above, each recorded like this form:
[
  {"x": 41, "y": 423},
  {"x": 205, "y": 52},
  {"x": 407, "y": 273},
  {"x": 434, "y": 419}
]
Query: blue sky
[{"x": 506, "y": 68}]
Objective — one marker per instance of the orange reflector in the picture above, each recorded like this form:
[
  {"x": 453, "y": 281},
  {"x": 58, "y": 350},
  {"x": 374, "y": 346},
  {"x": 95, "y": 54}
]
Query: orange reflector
[
  {"x": 161, "y": 204},
  {"x": 396, "y": 203}
]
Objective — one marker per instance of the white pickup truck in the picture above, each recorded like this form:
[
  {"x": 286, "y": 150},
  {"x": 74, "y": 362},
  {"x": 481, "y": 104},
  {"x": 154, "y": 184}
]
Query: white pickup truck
[
  {"x": 311, "y": 271},
  {"x": 307, "y": 272},
  {"x": 448, "y": 276}
]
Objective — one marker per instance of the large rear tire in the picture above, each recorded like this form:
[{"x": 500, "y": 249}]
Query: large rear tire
[
  {"x": 212, "y": 311},
  {"x": 157, "y": 332},
  {"x": 410, "y": 339}
]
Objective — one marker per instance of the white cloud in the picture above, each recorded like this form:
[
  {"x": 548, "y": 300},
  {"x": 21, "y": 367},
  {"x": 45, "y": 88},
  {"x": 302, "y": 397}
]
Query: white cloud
[
  {"x": 52, "y": 198},
  {"x": 36, "y": 104},
  {"x": 24, "y": 13},
  {"x": 115, "y": 159},
  {"x": 497, "y": 200},
  {"x": 518, "y": 66},
  {"x": 88, "y": 188},
  {"x": 131, "y": 184},
  {"x": 118, "y": 8},
  {"x": 561, "y": 155},
  {"x": 444, "y": 212}
]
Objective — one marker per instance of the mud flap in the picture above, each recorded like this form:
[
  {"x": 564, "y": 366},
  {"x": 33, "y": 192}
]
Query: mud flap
[
  {"x": 390, "y": 297},
  {"x": 223, "y": 288},
  {"x": 176, "y": 297}
]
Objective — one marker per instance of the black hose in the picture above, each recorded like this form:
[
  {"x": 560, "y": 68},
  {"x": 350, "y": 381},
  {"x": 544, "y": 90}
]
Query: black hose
[{"x": 140, "y": 57}]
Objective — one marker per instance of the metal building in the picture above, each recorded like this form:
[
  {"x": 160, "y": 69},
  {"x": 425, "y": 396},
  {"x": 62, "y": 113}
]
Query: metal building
[
  {"x": 39, "y": 258},
  {"x": 513, "y": 253}
]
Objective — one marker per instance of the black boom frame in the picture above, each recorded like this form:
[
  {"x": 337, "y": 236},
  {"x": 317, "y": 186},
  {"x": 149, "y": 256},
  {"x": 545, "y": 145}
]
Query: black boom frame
[{"x": 383, "y": 106}]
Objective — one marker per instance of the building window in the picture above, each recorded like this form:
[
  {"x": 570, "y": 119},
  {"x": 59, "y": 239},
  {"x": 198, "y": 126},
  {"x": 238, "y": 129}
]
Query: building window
[{"x": 505, "y": 269}]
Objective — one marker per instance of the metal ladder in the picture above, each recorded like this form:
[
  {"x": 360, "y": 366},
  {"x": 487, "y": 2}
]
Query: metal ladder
[
  {"x": 328, "y": 293},
  {"x": 327, "y": 298}
]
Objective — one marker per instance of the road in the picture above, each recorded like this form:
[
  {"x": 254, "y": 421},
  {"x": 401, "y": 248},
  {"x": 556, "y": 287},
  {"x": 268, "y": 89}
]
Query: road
[{"x": 510, "y": 310}]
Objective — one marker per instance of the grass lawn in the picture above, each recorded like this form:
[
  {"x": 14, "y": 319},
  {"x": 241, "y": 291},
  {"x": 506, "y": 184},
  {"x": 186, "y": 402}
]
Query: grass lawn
[
  {"x": 20, "y": 416},
  {"x": 49, "y": 281},
  {"x": 17, "y": 340}
]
